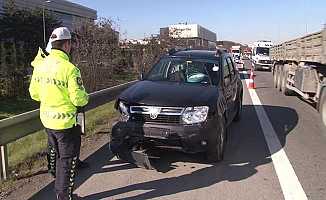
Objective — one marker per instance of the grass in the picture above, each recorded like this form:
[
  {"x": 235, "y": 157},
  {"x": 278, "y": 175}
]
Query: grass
[
  {"x": 29, "y": 152},
  {"x": 125, "y": 76},
  {"x": 99, "y": 117},
  {"x": 26, "y": 147},
  {"x": 10, "y": 107}
]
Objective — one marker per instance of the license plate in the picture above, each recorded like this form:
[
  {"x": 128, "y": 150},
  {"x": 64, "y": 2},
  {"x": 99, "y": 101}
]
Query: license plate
[{"x": 156, "y": 133}]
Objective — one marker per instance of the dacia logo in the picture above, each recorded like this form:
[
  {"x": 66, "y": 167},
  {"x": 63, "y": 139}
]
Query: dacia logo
[{"x": 154, "y": 112}]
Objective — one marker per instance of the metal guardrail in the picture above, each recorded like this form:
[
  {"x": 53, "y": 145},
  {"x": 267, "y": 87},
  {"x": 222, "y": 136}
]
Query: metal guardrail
[{"x": 19, "y": 126}]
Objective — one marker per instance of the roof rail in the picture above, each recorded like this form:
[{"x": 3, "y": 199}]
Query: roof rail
[
  {"x": 175, "y": 50},
  {"x": 220, "y": 51}
]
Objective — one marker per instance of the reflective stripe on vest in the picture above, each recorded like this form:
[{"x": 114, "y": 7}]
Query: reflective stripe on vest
[
  {"x": 51, "y": 81},
  {"x": 56, "y": 115}
]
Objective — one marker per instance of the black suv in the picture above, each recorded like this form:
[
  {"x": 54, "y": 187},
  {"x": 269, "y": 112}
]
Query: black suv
[{"x": 185, "y": 102}]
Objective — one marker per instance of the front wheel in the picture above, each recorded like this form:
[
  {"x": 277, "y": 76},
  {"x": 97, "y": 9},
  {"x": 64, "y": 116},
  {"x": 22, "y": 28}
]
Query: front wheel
[
  {"x": 239, "y": 110},
  {"x": 217, "y": 145},
  {"x": 119, "y": 145}
]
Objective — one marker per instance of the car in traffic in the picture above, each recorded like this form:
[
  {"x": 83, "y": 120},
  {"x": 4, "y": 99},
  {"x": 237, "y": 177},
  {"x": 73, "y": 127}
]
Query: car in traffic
[
  {"x": 260, "y": 55},
  {"x": 239, "y": 63},
  {"x": 186, "y": 102}
]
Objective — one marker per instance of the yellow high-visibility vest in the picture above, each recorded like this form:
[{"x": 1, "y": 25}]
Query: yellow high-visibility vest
[{"x": 56, "y": 83}]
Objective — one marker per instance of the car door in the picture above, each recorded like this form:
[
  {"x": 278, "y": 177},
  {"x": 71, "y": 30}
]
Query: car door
[
  {"x": 227, "y": 90},
  {"x": 233, "y": 87}
]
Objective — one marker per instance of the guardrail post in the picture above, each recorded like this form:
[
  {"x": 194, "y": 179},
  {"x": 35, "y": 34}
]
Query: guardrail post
[{"x": 4, "y": 162}]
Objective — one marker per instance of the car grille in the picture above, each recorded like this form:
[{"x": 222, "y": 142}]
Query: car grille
[
  {"x": 155, "y": 114},
  {"x": 170, "y": 119}
]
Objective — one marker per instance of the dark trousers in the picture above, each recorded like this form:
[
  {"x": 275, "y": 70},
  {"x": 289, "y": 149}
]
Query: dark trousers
[{"x": 64, "y": 146}]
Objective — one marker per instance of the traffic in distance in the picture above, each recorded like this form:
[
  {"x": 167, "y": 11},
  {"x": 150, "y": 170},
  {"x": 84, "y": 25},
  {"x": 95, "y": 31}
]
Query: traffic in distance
[{"x": 189, "y": 98}]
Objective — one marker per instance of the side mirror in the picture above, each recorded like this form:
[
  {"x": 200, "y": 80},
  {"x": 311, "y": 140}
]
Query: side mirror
[{"x": 215, "y": 68}]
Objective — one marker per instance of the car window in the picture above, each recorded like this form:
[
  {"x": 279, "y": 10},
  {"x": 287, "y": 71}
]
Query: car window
[
  {"x": 213, "y": 72},
  {"x": 160, "y": 68},
  {"x": 226, "y": 70},
  {"x": 197, "y": 71},
  {"x": 227, "y": 73},
  {"x": 187, "y": 71},
  {"x": 231, "y": 65}
]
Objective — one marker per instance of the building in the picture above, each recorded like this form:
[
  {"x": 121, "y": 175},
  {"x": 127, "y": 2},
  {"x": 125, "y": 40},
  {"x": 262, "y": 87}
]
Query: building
[
  {"x": 192, "y": 35},
  {"x": 67, "y": 12}
]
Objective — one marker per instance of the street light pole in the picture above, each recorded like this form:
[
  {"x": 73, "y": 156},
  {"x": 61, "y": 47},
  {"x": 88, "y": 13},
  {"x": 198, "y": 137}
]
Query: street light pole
[
  {"x": 44, "y": 28},
  {"x": 43, "y": 15}
]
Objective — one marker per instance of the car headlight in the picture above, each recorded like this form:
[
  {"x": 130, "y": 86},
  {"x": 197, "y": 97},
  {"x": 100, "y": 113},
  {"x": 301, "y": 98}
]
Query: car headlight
[
  {"x": 124, "y": 112},
  {"x": 193, "y": 115}
]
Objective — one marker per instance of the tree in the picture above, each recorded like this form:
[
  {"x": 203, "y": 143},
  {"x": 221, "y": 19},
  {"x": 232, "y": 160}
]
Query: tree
[
  {"x": 145, "y": 56},
  {"x": 21, "y": 33},
  {"x": 97, "y": 53},
  {"x": 19, "y": 25}
]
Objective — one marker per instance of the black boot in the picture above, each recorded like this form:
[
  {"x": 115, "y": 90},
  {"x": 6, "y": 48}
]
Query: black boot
[{"x": 82, "y": 164}]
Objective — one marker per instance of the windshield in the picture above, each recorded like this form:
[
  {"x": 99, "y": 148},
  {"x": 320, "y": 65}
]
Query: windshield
[
  {"x": 195, "y": 71},
  {"x": 262, "y": 51},
  {"x": 235, "y": 51}
]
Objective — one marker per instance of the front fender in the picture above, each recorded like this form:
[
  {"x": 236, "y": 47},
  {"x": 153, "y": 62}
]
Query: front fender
[{"x": 221, "y": 105}]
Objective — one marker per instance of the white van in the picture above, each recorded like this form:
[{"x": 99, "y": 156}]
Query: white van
[{"x": 260, "y": 55}]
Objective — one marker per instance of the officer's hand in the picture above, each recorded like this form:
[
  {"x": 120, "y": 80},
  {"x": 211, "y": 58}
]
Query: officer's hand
[{"x": 80, "y": 109}]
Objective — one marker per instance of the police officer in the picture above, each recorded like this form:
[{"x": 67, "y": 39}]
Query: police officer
[
  {"x": 57, "y": 84},
  {"x": 51, "y": 152}
]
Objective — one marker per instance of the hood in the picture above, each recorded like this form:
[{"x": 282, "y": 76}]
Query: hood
[
  {"x": 39, "y": 58},
  {"x": 172, "y": 94}
]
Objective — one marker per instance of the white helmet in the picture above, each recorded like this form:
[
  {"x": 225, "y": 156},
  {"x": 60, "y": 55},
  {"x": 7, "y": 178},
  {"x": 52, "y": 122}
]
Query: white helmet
[{"x": 61, "y": 33}]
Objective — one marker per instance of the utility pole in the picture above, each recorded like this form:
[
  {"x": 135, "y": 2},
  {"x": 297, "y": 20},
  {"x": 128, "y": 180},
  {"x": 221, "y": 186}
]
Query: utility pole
[{"x": 43, "y": 15}]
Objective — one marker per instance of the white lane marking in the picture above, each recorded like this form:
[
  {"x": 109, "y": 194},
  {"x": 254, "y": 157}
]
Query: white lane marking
[{"x": 290, "y": 184}]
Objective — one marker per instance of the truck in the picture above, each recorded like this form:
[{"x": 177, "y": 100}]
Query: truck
[
  {"x": 260, "y": 55},
  {"x": 236, "y": 54},
  {"x": 299, "y": 66}
]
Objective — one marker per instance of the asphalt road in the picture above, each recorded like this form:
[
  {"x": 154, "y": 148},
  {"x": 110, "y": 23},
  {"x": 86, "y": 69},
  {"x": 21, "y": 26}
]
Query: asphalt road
[{"x": 255, "y": 167}]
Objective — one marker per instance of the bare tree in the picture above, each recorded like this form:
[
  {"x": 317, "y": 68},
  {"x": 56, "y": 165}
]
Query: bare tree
[{"x": 97, "y": 53}]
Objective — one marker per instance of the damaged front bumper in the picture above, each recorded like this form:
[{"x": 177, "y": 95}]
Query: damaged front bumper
[{"x": 131, "y": 140}]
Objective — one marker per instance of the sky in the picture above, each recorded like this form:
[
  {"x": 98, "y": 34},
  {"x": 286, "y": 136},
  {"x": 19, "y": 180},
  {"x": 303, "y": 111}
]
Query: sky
[{"x": 242, "y": 21}]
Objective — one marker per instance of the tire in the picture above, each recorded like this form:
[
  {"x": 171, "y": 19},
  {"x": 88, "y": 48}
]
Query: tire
[
  {"x": 284, "y": 89},
  {"x": 279, "y": 78},
  {"x": 117, "y": 142},
  {"x": 322, "y": 106},
  {"x": 216, "y": 146},
  {"x": 275, "y": 76},
  {"x": 239, "y": 110}
]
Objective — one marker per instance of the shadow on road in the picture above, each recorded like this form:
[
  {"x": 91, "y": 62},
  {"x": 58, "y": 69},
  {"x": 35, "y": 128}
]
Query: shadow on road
[
  {"x": 246, "y": 151},
  {"x": 97, "y": 161}
]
